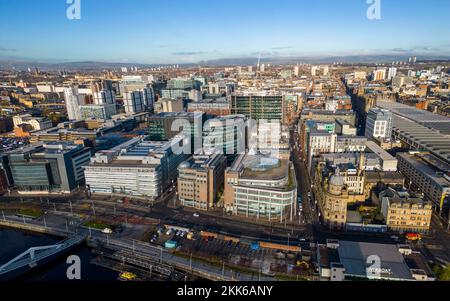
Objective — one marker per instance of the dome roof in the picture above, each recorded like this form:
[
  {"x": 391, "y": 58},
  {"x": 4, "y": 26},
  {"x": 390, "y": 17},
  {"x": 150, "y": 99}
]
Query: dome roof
[{"x": 337, "y": 180}]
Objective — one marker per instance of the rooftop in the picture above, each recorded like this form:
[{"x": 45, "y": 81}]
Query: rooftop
[
  {"x": 426, "y": 138},
  {"x": 424, "y": 166},
  {"x": 260, "y": 167},
  {"x": 402, "y": 196},
  {"x": 354, "y": 255},
  {"x": 375, "y": 148}
]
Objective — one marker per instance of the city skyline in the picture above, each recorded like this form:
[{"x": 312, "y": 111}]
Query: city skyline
[{"x": 179, "y": 32}]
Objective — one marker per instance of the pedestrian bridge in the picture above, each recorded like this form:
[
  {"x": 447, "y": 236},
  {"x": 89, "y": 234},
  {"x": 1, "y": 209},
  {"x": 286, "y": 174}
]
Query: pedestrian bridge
[{"x": 35, "y": 256}]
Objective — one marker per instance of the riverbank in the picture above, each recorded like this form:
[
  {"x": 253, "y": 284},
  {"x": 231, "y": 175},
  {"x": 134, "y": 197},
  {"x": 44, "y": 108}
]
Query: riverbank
[{"x": 14, "y": 242}]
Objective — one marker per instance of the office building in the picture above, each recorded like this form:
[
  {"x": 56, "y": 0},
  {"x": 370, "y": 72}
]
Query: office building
[
  {"x": 219, "y": 89},
  {"x": 137, "y": 167},
  {"x": 270, "y": 138},
  {"x": 387, "y": 161},
  {"x": 261, "y": 187},
  {"x": 73, "y": 101},
  {"x": 345, "y": 128},
  {"x": 392, "y": 72},
  {"x": 100, "y": 112},
  {"x": 36, "y": 123},
  {"x": 200, "y": 181},
  {"x": 379, "y": 124},
  {"x": 328, "y": 116},
  {"x": 258, "y": 105},
  {"x": 149, "y": 97},
  {"x": 133, "y": 83},
  {"x": 134, "y": 102},
  {"x": 175, "y": 94},
  {"x": 225, "y": 135},
  {"x": 429, "y": 174},
  {"x": 169, "y": 106},
  {"x": 195, "y": 95},
  {"x": 319, "y": 70},
  {"x": 379, "y": 75},
  {"x": 346, "y": 143},
  {"x": 55, "y": 167},
  {"x": 165, "y": 126},
  {"x": 183, "y": 84},
  {"x": 319, "y": 142},
  {"x": 405, "y": 212},
  {"x": 104, "y": 97},
  {"x": 219, "y": 107}
]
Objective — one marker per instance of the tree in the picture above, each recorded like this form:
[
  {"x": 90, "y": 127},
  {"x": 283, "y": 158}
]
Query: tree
[{"x": 442, "y": 273}]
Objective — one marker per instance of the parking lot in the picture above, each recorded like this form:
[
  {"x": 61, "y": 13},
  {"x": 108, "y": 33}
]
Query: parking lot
[{"x": 232, "y": 252}]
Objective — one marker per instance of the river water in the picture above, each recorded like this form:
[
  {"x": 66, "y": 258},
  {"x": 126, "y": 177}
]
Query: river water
[{"x": 14, "y": 242}]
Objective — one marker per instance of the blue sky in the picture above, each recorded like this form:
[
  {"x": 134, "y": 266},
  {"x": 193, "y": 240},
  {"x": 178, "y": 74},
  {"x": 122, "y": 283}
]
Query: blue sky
[{"x": 179, "y": 31}]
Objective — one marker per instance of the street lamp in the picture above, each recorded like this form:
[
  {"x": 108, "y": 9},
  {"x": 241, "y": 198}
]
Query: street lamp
[{"x": 223, "y": 270}]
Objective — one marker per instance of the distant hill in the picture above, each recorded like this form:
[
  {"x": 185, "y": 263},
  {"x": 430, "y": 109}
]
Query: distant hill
[
  {"x": 24, "y": 63},
  {"x": 357, "y": 59}
]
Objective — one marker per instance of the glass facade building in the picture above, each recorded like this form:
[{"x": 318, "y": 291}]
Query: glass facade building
[{"x": 257, "y": 107}]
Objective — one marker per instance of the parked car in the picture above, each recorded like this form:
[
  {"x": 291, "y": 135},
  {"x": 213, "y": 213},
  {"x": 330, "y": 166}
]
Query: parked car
[{"x": 107, "y": 231}]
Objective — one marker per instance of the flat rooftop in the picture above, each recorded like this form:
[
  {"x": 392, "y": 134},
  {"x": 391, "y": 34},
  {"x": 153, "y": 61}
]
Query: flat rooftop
[
  {"x": 375, "y": 148},
  {"x": 353, "y": 255},
  {"x": 260, "y": 167},
  {"x": 423, "y": 166},
  {"x": 275, "y": 173}
]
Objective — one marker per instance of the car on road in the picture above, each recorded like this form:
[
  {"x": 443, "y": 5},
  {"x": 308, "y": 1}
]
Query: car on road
[
  {"x": 395, "y": 238},
  {"x": 196, "y": 214},
  {"x": 107, "y": 231}
]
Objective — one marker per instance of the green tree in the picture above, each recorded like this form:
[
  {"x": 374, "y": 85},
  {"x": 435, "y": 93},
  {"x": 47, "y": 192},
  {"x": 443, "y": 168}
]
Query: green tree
[{"x": 442, "y": 273}]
